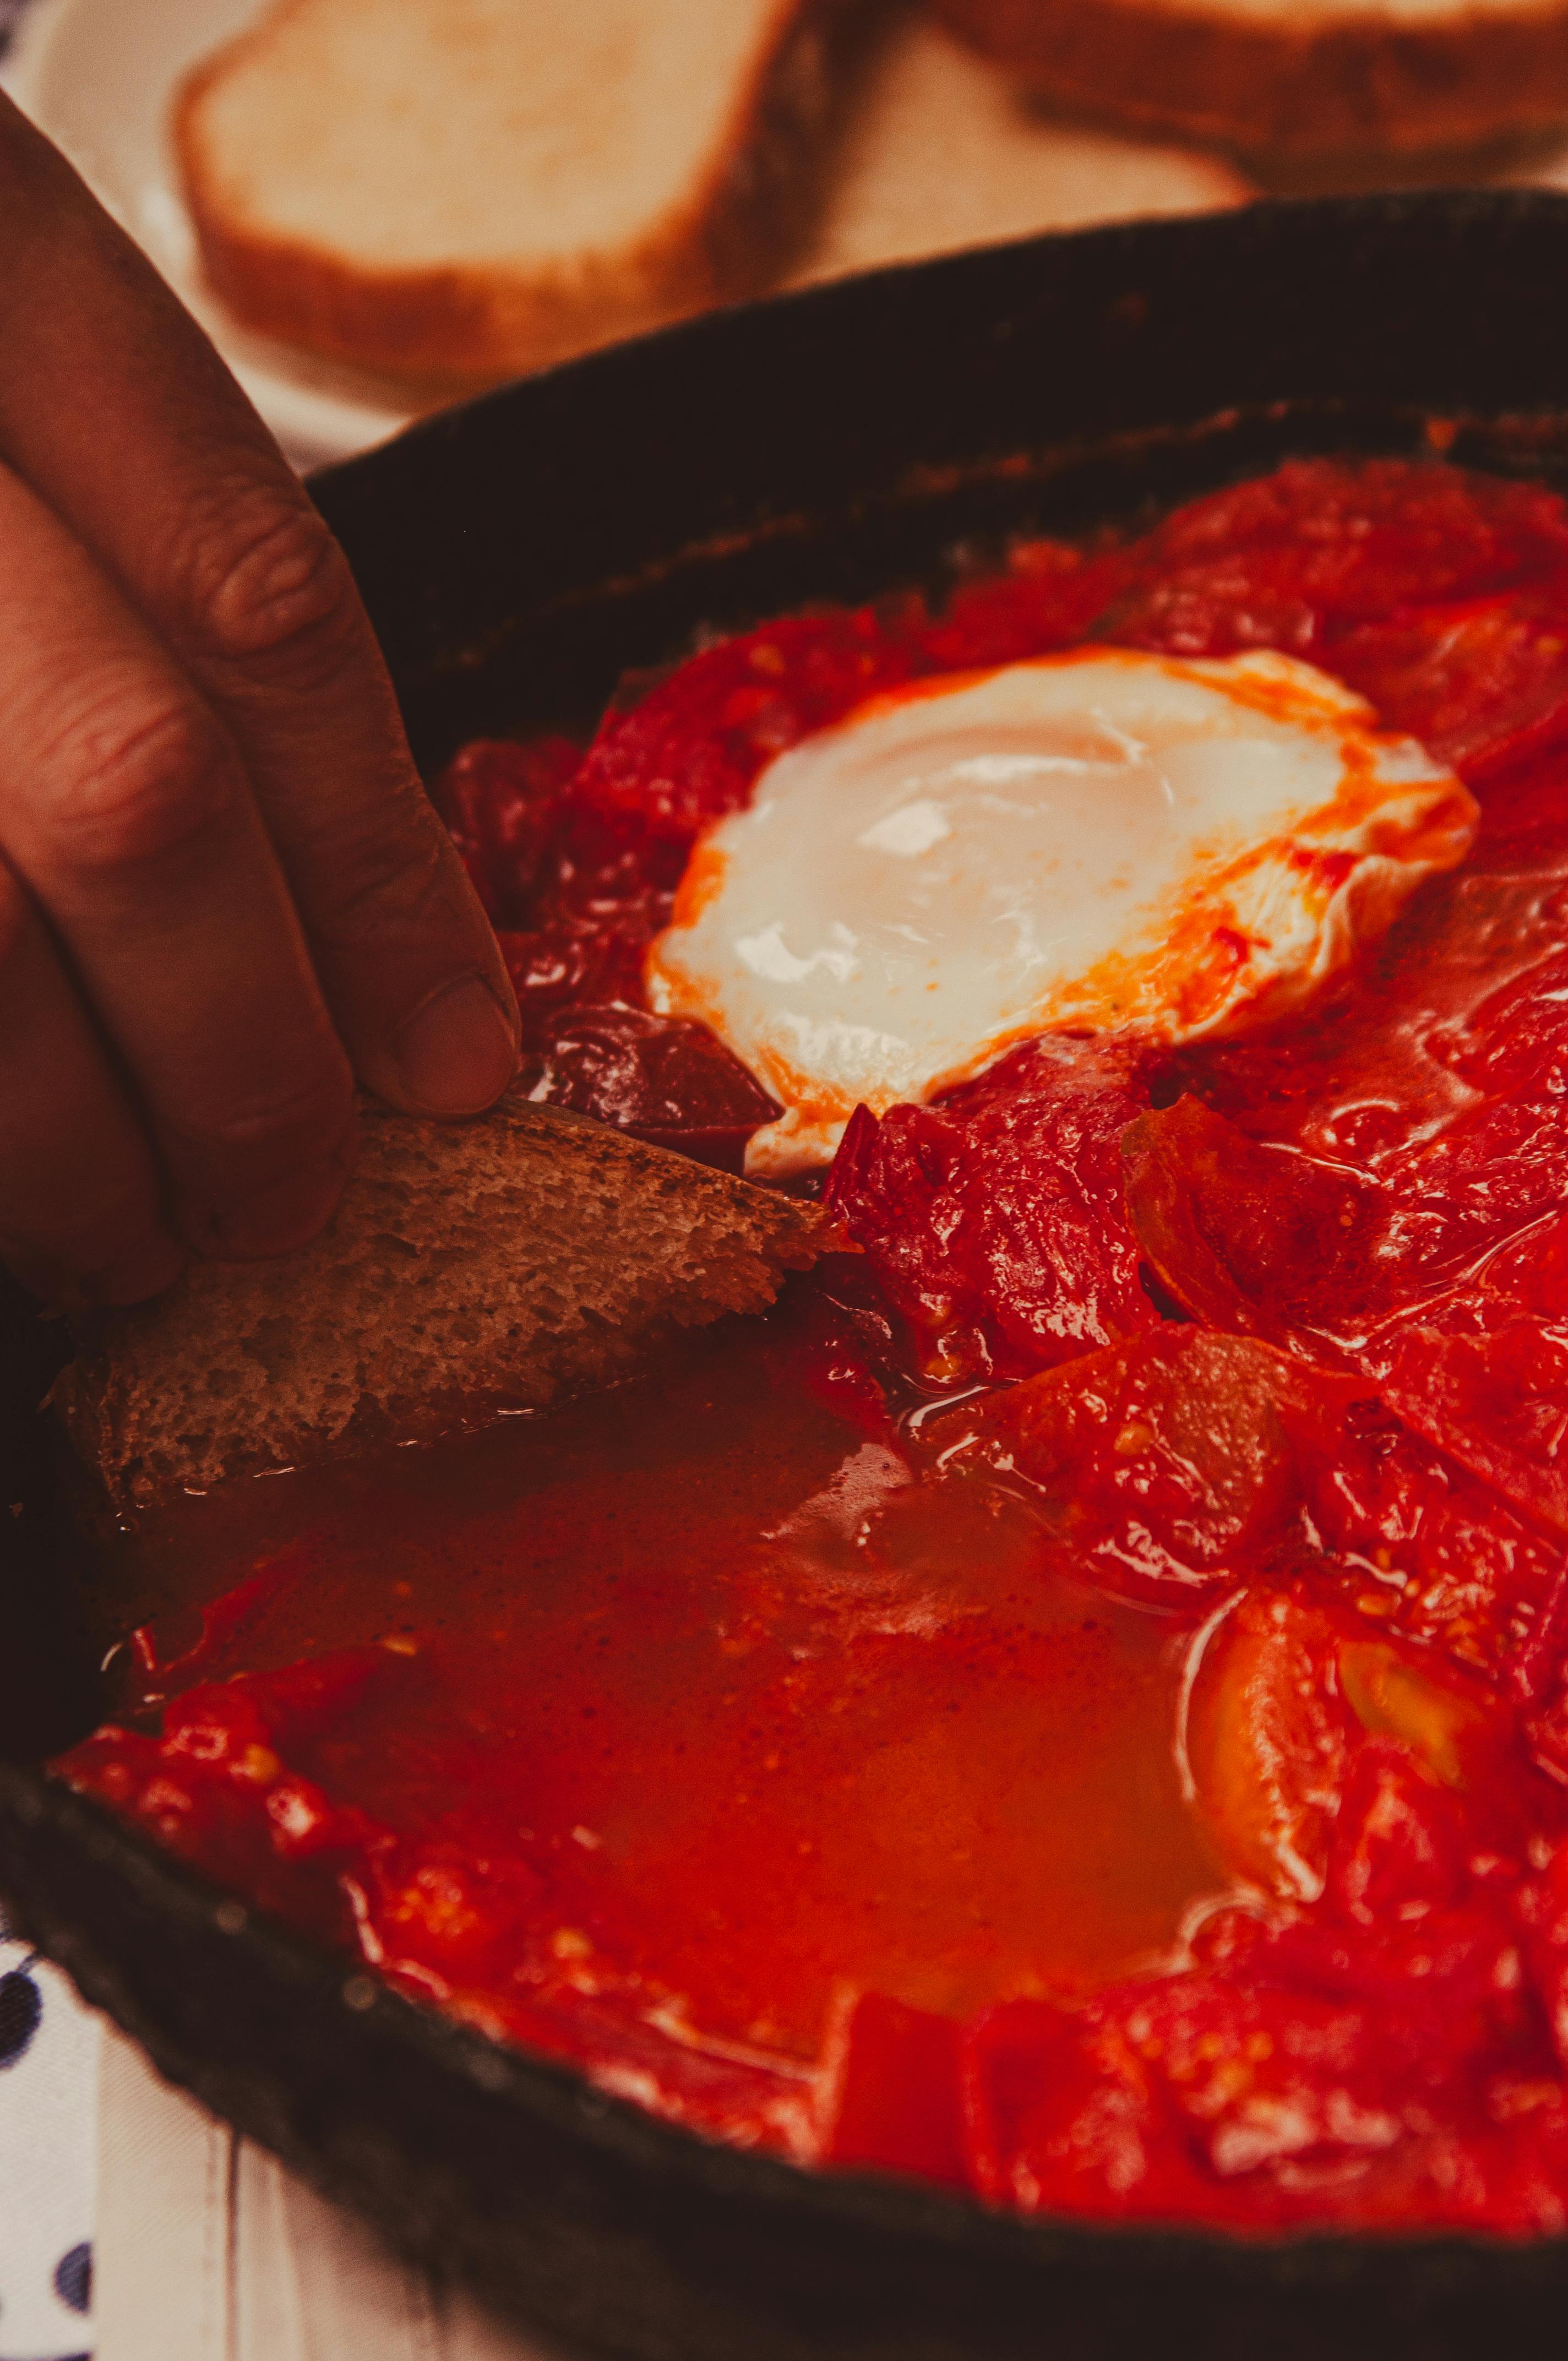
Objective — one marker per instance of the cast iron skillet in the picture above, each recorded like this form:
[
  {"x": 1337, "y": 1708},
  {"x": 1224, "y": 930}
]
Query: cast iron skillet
[{"x": 518, "y": 556}]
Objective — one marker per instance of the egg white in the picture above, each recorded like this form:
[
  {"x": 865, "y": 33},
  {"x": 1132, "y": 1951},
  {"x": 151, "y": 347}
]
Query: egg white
[{"x": 1099, "y": 841}]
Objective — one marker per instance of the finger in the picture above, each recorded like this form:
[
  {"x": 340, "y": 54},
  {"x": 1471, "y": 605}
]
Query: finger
[
  {"x": 125, "y": 811},
  {"x": 169, "y": 476},
  {"x": 81, "y": 1220}
]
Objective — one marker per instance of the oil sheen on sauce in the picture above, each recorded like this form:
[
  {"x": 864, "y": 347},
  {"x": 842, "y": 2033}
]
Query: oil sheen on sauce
[{"x": 765, "y": 1718}]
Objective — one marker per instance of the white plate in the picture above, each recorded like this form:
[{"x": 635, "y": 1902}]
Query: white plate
[{"x": 98, "y": 76}]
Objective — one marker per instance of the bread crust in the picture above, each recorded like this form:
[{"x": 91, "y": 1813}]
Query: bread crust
[
  {"x": 470, "y": 1268},
  {"x": 1301, "y": 84},
  {"x": 455, "y": 326}
]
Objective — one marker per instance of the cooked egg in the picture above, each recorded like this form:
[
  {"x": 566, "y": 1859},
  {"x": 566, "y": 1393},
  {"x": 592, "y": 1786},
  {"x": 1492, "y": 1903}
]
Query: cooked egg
[{"x": 1101, "y": 841}]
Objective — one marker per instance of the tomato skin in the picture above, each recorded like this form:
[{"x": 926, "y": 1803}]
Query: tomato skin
[
  {"x": 1426, "y": 1549},
  {"x": 1268, "y": 1741},
  {"x": 561, "y": 969},
  {"x": 501, "y": 801},
  {"x": 994, "y": 1220},
  {"x": 1245, "y": 1236},
  {"x": 1484, "y": 685},
  {"x": 663, "y": 1079},
  {"x": 889, "y": 2097},
  {"x": 1498, "y": 1404},
  {"x": 1163, "y": 1462}
]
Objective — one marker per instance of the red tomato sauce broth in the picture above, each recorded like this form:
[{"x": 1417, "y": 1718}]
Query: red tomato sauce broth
[{"x": 1071, "y": 1706}]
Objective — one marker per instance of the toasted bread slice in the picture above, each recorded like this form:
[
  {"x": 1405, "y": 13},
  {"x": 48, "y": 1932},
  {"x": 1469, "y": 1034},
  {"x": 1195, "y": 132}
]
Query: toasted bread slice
[
  {"x": 456, "y": 189},
  {"x": 1293, "y": 77},
  {"x": 943, "y": 151},
  {"x": 470, "y": 1268}
]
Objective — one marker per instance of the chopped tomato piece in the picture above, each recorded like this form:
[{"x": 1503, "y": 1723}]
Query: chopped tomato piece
[
  {"x": 571, "y": 966},
  {"x": 1451, "y": 1730},
  {"x": 1065, "y": 2117},
  {"x": 1160, "y": 1466},
  {"x": 219, "y": 1719},
  {"x": 444, "y": 1914},
  {"x": 217, "y": 1786},
  {"x": 1496, "y": 1404},
  {"x": 1424, "y": 1546},
  {"x": 1529, "y": 1274},
  {"x": 1294, "y": 559},
  {"x": 1246, "y": 1236},
  {"x": 1483, "y": 684},
  {"x": 890, "y": 2094},
  {"x": 175, "y": 1648},
  {"x": 995, "y": 1220},
  {"x": 1269, "y": 2078},
  {"x": 664, "y": 1079},
  {"x": 501, "y": 801},
  {"x": 1267, "y": 1743},
  {"x": 1177, "y": 2095},
  {"x": 1397, "y": 1849}
]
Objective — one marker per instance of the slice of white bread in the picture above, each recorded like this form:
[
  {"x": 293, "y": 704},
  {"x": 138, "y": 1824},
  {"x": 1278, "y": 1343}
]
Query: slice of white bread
[
  {"x": 456, "y": 189},
  {"x": 944, "y": 151},
  {"x": 1290, "y": 78},
  {"x": 471, "y": 1267}
]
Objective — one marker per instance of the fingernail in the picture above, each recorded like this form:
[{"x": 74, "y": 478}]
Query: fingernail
[
  {"x": 456, "y": 1054},
  {"x": 145, "y": 1272},
  {"x": 286, "y": 1214}
]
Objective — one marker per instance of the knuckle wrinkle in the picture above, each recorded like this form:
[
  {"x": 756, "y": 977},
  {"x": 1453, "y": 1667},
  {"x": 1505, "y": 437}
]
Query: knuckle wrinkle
[
  {"x": 128, "y": 787},
  {"x": 273, "y": 583}
]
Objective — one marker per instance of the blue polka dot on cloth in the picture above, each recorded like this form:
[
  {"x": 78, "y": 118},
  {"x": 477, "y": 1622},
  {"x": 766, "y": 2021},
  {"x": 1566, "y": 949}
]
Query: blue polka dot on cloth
[{"x": 48, "y": 2053}]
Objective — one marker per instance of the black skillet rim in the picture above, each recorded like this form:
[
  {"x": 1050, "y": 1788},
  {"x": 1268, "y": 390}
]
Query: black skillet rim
[{"x": 53, "y": 1845}]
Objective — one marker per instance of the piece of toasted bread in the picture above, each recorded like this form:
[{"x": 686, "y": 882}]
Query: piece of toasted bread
[
  {"x": 1291, "y": 77},
  {"x": 471, "y": 1267},
  {"x": 944, "y": 151},
  {"x": 456, "y": 189}
]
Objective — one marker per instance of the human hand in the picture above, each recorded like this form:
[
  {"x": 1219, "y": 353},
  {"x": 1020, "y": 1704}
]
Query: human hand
[{"x": 223, "y": 893}]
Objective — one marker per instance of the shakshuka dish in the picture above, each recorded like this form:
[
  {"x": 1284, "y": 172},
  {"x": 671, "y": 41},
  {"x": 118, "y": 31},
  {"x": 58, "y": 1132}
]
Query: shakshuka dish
[{"x": 1071, "y": 1705}]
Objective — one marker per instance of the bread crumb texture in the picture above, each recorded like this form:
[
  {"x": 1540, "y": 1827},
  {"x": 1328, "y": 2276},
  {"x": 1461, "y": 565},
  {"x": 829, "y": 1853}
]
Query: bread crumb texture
[
  {"x": 455, "y": 188},
  {"x": 470, "y": 1268}
]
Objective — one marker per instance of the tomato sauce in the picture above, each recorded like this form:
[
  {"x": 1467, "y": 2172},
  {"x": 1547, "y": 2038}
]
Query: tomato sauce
[{"x": 1071, "y": 1706}]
